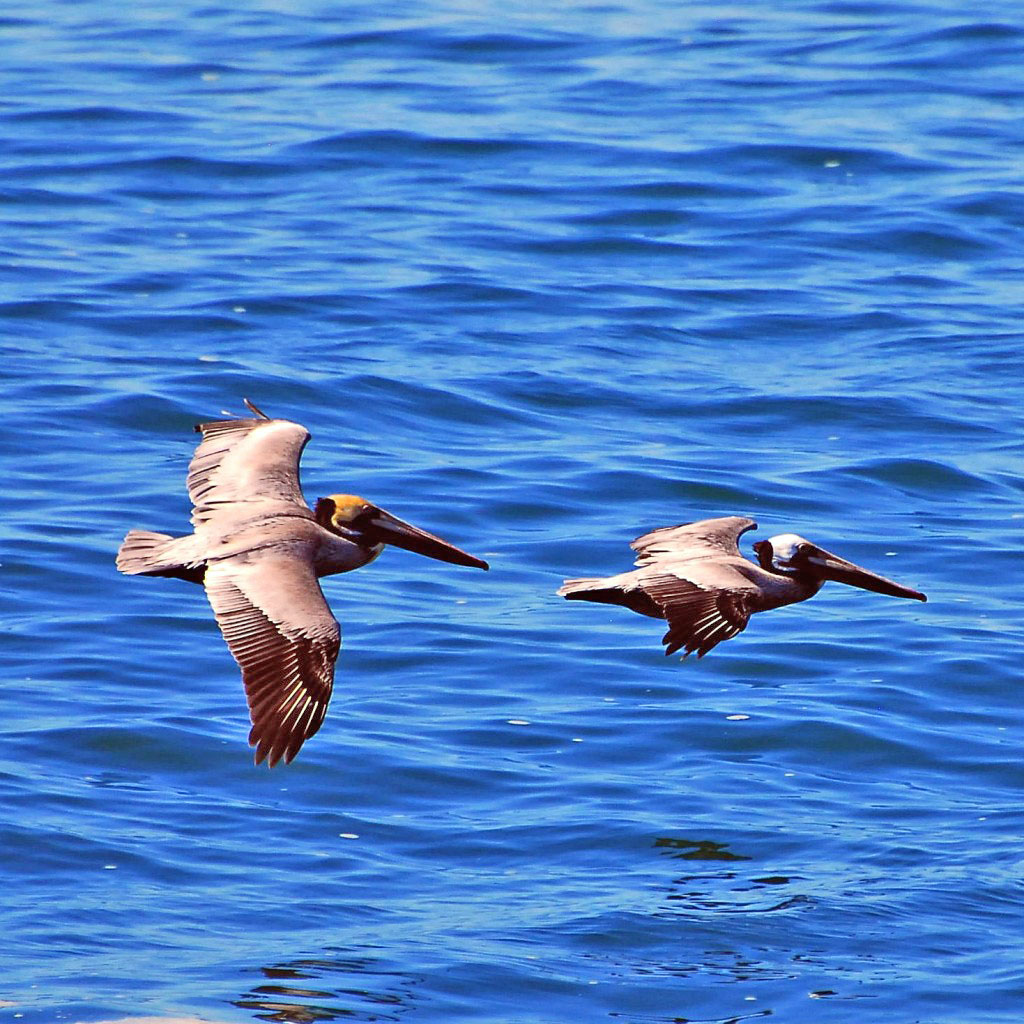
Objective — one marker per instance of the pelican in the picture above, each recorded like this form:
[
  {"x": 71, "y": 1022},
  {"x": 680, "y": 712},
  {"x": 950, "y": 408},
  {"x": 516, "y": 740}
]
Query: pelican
[
  {"x": 694, "y": 576},
  {"x": 258, "y": 549}
]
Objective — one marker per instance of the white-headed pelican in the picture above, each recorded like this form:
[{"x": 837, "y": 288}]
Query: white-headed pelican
[{"x": 695, "y": 577}]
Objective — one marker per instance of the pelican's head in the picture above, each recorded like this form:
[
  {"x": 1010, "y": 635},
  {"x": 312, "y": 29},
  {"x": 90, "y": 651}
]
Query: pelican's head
[
  {"x": 783, "y": 553},
  {"x": 365, "y": 524},
  {"x": 790, "y": 555}
]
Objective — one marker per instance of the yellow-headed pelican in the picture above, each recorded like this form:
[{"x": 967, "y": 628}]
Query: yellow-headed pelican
[{"x": 259, "y": 550}]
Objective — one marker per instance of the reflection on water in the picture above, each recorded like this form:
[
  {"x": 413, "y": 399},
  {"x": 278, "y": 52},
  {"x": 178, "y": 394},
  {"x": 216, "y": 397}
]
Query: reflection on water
[
  {"x": 348, "y": 995},
  {"x": 722, "y": 891},
  {"x": 698, "y": 849}
]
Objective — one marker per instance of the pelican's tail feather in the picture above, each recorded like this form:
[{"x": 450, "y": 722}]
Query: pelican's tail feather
[
  {"x": 579, "y": 590},
  {"x": 622, "y": 590},
  {"x": 603, "y": 590},
  {"x": 144, "y": 553}
]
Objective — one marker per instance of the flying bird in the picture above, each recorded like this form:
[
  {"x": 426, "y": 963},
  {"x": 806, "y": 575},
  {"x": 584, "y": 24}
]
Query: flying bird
[
  {"x": 695, "y": 577},
  {"x": 259, "y": 550}
]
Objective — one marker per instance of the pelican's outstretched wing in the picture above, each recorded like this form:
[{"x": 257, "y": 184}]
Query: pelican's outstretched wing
[
  {"x": 707, "y": 538},
  {"x": 273, "y": 615},
  {"x": 699, "y": 617},
  {"x": 247, "y": 467}
]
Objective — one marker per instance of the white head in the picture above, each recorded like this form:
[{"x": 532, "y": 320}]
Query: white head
[{"x": 782, "y": 551}]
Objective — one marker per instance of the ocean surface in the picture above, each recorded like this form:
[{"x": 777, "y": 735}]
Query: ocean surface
[{"x": 538, "y": 278}]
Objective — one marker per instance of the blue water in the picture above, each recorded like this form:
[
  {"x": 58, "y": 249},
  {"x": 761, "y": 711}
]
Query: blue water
[{"x": 538, "y": 278}]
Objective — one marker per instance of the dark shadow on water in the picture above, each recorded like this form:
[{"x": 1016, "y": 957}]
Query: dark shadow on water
[
  {"x": 724, "y": 890},
  {"x": 697, "y": 849},
  {"x": 349, "y": 987}
]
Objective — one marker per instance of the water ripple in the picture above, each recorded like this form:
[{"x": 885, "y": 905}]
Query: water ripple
[{"x": 539, "y": 284}]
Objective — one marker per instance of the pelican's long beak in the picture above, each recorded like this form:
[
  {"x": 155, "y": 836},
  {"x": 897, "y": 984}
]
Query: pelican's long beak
[
  {"x": 384, "y": 528},
  {"x": 832, "y": 567}
]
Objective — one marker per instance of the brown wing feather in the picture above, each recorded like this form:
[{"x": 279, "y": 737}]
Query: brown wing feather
[
  {"x": 279, "y": 629},
  {"x": 703, "y": 539},
  {"x": 698, "y": 619},
  {"x": 246, "y": 460}
]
